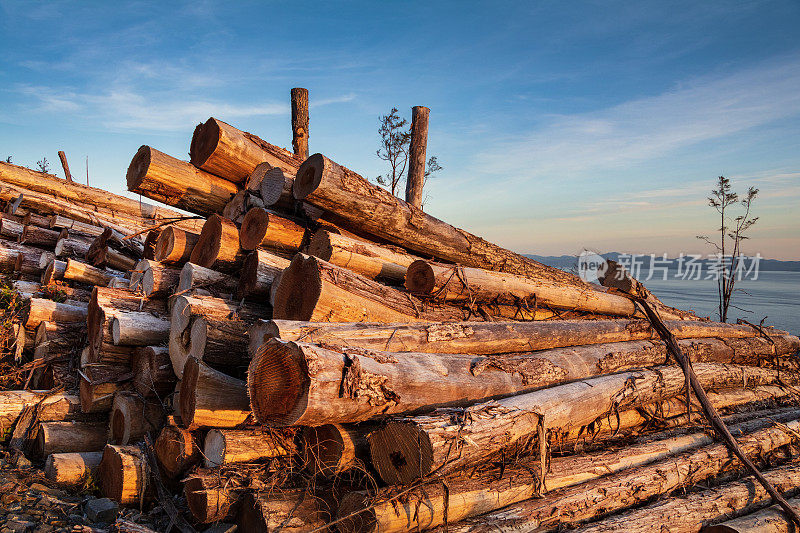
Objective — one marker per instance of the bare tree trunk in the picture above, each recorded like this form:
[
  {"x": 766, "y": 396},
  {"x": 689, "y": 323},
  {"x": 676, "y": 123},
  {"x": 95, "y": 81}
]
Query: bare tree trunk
[
  {"x": 300, "y": 130},
  {"x": 63, "y": 157},
  {"x": 416, "y": 155}
]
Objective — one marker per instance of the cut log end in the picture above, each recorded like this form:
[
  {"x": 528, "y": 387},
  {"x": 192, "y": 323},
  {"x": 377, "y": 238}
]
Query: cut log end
[
  {"x": 400, "y": 452},
  {"x": 320, "y": 245},
  {"x": 309, "y": 176},
  {"x": 176, "y": 450},
  {"x": 137, "y": 170},
  {"x": 204, "y": 142},
  {"x": 214, "y": 448},
  {"x": 299, "y": 290},
  {"x": 254, "y": 228},
  {"x": 277, "y": 383},
  {"x": 360, "y": 518},
  {"x": 206, "y": 250},
  {"x": 117, "y": 432},
  {"x": 206, "y": 505},
  {"x": 186, "y": 398},
  {"x": 420, "y": 278}
]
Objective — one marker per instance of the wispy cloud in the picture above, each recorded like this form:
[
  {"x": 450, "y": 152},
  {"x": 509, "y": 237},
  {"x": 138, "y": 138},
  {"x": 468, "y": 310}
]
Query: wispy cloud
[{"x": 647, "y": 128}]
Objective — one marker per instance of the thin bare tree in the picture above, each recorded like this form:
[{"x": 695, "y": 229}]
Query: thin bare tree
[
  {"x": 395, "y": 138},
  {"x": 731, "y": 234}
]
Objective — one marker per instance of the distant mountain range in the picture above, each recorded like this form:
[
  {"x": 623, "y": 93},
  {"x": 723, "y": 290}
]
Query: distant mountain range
[{"x": 570, "y": 262}]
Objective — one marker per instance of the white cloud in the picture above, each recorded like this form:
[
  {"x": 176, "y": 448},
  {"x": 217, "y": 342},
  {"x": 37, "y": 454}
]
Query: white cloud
[{"x": 651, "y": 127}]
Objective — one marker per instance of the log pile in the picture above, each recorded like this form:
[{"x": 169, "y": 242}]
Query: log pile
[{"x": 307, "y": 351}]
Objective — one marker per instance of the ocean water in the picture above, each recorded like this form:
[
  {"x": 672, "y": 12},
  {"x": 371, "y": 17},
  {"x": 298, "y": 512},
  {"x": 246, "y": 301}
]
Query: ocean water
[{"x": 774, "y": 295}]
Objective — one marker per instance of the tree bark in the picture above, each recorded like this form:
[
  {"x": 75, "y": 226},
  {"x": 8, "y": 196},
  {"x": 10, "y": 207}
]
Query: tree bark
[
  {"x": 297, "y": 383},
  {"x": 629, "y": 488},
  {"x": 73, "y": 470},
  {"x": 75, "y": 227},
  {"x": 123, "y": 474},
  {"x": 369, "y": 260},
  {"x": 54, "y": 271},
  {"x": 209, "y": 499},
  {"x": 218, "y": 246},
  {"x": 50, "y": 311},
  {"x": 10, "y": 227},
  {"x": 313, "y": 289},
  {"x": 210, "y": 398},
  {"x": 219, "y": 341},
  {"x": 63, "y": 157},
  {"x": 67, "y": 437},
  {"x": 139, "y": 329},
  {"x": 494, "y": 337},
  {"x": 106, "y": 303},
  {"x": 270, "y": 230},
  {"x": 290, "y": 510},
  {"x": 697, "y": 510},
  {"x": 259, "y": 272},
  {"x": 228, "y": 446},
  {"x": 493, "y": 487},
  {"x": 300, "y": 130},
  {"x": 159, "y": 281},
  {"x": 416, "y": 155},
  {"x": 185, "y": 307},
  {"x": 177, "y": 183},
  {"x": 149, "y": 246},
  {"x": 152, "y": 372},
  {"x": 175, "y": 245},
  {"x": 58, "y": 338},
  {"x": 177, "y": 451},
  {"x": 132, "y": 417},
  {"x": 370, "y": 208},
  {"x": 453, "y": 439},
  {"x": 72, "y": 246},
  {"x": 195, "y": 279},
  {"x": 223, "y": 150},
  {"x": 52, "y": 407}
]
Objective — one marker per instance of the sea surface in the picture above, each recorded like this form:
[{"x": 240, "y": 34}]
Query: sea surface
[{"x": 774, "y": 295}]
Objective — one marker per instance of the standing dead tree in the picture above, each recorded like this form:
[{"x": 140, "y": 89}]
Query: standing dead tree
[{"x": 731, "y": 234}]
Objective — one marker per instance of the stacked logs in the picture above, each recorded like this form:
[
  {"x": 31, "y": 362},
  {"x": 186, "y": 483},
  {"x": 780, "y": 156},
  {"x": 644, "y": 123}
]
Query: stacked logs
[{"x": 310, "y": 351}]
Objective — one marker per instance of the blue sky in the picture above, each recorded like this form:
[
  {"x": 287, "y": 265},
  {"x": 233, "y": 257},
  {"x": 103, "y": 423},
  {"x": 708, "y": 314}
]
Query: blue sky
[{"x": 560, "y": 125}]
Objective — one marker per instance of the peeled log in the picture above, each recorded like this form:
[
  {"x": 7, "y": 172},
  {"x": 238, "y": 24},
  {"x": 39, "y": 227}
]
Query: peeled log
[
  {"x": 176, "y": 450},
  {"x": 631, "y": 487},
  {"x": 492, "y": 337},
  {"x": 456, "y": 284},
  {"x": 264, "y": 228},
  {"x": 370, "y": 208},
  {"x": 50, "y": 311},
  {"x": 152, "y": 372},
  {"x": 220, "y": 342},
  {"x": 313, "y": 289},
  {"x": 139, "y": 329},
  {"x": 185, "y": 307},
  {"x": 413, "y": 447},
  {"x": 175, "y": 245},
  {"x": 369, "y": 260},
  {"x": 83, "y": 273},
  {"x": 123, "y": 474},
  {"x": 132, "y": 417},
  {"x": 210, "y": 398},
  {"x": 698, "y": 509},
  {"x": 174, "y": 182},
  {"x": 259, "y": 272},
  {"x": 73, "y": 470},
  {"x": 64, "y": 437},
  {"x": 206, "y": 281},
  {"x": 492, "y": 487},
  {"x": 233, "y": 154},
  {"x": 304, "y": 384},
  {"x": 228, "y": 446},
  {"x": 218, "y": 245}
]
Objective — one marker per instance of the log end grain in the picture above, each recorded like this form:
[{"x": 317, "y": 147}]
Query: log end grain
[
  {"x": 322, "y": 449},
  {"x": 254, "y": 228},
  {"x": 207, "y": 504},
  {"x": 207, "y": 248},
  {"x": 309, "y": 176},
  {"x": 137, "y": 170},
  {"x": 298, "y": 291},
  {"x": 277, "y": 383},
  {"x": 420, "y": 278},
  {"x": 355, "y": 514},
  {"x": 204, "y": 141},
  {"x": 400, "y": 452},
  {"x": 176, "y": 450}
]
